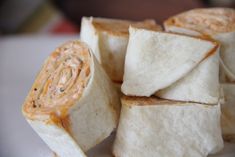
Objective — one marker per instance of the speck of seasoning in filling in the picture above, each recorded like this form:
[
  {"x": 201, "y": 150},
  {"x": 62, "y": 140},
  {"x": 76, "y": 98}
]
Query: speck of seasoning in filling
[
  {"x": 33, "y": 102},
  {"x": 61, "y": 90}
]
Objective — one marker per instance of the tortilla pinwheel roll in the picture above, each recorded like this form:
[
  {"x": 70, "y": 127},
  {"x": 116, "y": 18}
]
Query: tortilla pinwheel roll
[
  {"x": 152, "y": 127},
  {"x": 171, "y": 66},
  {"x": 228, "y": 113},
  {"x": 219, "y": 23},
  {"x": 72, "y": 104},
  {"x": 108, "y": 39}
]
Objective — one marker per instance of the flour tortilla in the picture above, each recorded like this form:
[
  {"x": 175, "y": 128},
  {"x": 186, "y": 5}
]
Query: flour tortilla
[
  {"x": 162, "y": 128},
  {"x": 173, "y": 66}
]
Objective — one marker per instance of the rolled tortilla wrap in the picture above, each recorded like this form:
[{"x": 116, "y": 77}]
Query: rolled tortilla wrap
[
  {"x": 165, "y": 63},
  {"x": 228, "y": 113},
  {"x": 219, "y": 23},
  {"x": 108, "y": 39},
  {"x": 155, "y": 127},
  {"x": 72, "y": 104}
]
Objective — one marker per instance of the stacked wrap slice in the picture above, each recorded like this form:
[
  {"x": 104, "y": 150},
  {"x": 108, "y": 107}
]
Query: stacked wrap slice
[{"x": 172, "y": 89}]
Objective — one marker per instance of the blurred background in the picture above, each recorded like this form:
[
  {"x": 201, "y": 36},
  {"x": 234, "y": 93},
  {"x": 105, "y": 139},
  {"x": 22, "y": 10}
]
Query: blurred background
[
  {"x": 31, "y": 29},
  {"x": 64, "y": 16}
]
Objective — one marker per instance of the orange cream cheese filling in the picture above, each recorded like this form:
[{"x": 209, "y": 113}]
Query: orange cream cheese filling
[
  {"x": 121, "y": 27},
  {"x": 208, "y": 21},
  {"x": 60, "y": 83}
]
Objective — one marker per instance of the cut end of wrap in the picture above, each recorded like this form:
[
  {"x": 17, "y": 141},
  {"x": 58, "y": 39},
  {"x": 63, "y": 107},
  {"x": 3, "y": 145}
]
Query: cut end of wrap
[
  {"x": 207, "y": 21},
  {"x": 120, "y": 27},
  {"x": 61, "y": 82}
]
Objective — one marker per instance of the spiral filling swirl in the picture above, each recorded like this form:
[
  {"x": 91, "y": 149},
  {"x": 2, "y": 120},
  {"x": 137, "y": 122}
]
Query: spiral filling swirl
[
  {"x": 61, "y": 81},
  {"x": 210, "y": 21}
]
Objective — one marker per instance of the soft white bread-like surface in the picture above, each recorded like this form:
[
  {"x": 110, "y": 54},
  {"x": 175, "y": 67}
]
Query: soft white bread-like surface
[
  {"x": 228, "y": 113},
  {"x": 72, "y": 101},
  {"x": 108, "y": 39},
  {"x": 153, "y": 127},
  {"x": 58, "y": 139},
  {"x": 219, "y": 23},
  {"x": 175, "y": 64}
]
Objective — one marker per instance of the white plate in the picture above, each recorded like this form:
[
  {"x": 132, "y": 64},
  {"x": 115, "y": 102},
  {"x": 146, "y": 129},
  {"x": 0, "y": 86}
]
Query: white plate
[{"x": 20, "y": 60}]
